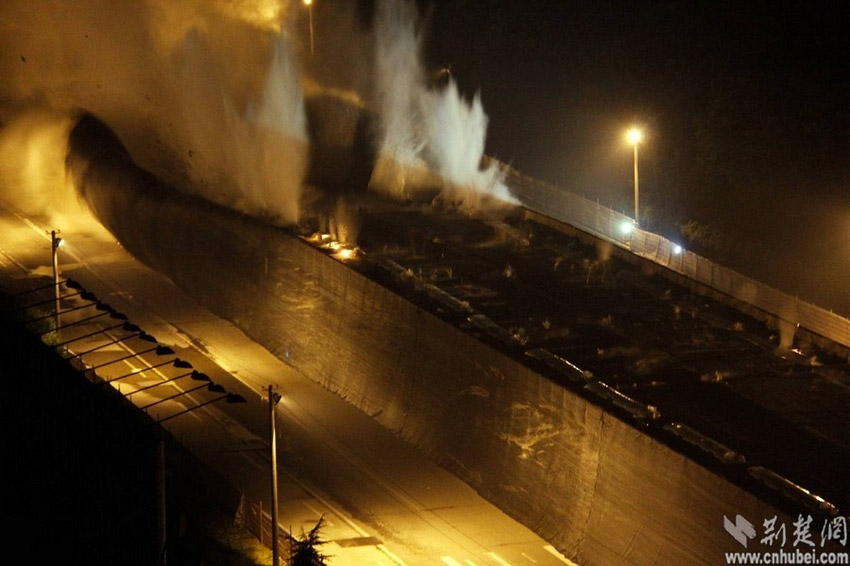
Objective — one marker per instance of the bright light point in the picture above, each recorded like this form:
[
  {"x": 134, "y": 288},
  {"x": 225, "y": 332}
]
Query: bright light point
[
  {"x": 677, "y": 249},
  {"x": 634, "y": 136},
  {"x": 626, "y": 226},
  {"x": 345, "y": 253},
  {"x": 320, "y": 238},
  {"x": 60, "y": 242},
  {"x": 308, "y": 2}
]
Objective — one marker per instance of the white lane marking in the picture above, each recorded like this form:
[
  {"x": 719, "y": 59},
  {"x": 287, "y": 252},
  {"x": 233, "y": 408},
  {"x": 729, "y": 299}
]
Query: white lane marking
[
  {"x": 530, "y": 559},
  {"x": 551, "y": 550},
  {"x": 449, "y": 561},
  {"x": 469, "y": 562},
  {"x": 332, "y": 508},
  {"x": 41, "y": 231},
  {"x": 165, "y": 381},
  {"x": 15, "y": 262},
  {"x": 391, "y": 555},
  {"x": 498, "y": 559}
]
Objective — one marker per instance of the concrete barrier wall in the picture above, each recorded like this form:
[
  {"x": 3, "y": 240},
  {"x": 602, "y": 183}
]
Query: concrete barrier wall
[{"x": 596, "y": 487}]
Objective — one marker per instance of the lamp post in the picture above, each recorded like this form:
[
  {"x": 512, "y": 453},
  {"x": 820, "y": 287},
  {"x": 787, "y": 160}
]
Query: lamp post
[
  {"x": 55, "y": 244},
  {"x": 274, "y": 399},
  {"x": 162, "y": 514},
  {"x": 634, "y": 136},
  {"x": 309, "y": 4}
]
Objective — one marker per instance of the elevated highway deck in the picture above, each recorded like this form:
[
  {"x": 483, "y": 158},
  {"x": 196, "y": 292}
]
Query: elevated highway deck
[
  {"x": 617, "y": 413},
  {"x": 581, "y": 314}
]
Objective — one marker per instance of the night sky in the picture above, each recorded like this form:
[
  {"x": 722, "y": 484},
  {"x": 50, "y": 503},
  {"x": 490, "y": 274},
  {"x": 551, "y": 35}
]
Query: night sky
[
  {"x": 743, "y": 103},
  {"x": 745, "y": 107}
]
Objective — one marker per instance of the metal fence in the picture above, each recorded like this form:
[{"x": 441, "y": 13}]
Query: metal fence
[
  {"x": 252, "y": 517},
  {"x": 605, "y": 223}
]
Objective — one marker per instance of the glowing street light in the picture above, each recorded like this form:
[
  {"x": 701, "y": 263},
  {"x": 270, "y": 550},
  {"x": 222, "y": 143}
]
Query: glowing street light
[
  {"x": 309, "y": 4},
  {"x": 634, "y": 137}
]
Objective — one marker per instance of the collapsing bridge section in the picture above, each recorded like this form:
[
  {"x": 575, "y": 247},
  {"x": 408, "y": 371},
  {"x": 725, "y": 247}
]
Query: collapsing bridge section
[{"x": 494, "y": 392}]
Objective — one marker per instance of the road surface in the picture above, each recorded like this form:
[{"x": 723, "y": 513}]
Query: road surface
[{"x": 383, "y": 503}]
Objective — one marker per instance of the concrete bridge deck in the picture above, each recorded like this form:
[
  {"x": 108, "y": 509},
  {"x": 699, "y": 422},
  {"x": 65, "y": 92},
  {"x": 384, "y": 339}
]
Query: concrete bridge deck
[
  {"x": 699, "y": 362},
  {"x": 613, "y": 411}
]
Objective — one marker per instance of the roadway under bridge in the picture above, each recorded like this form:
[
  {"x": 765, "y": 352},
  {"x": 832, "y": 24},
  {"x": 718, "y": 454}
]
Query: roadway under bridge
[{"x": 616, "y": 413}]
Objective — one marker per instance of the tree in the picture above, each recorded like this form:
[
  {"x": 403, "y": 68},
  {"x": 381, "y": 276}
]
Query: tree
[{"x": 305, "y": 552}]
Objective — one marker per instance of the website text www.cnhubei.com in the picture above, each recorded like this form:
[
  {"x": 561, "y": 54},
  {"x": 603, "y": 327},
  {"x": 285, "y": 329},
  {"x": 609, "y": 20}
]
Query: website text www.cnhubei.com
[{"x": 796, "y": 556}]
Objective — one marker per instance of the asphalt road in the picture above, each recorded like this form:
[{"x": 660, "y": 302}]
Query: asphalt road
[{"x": 383, "y": 503}]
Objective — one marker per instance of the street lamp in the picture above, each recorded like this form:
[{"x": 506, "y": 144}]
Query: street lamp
[
  {"x": 229, "y": 398},
  {"x": 210, "y": 386},
  {"x": 55, "y": 244},
  {"x": 194, "y": 374},
  {"x": 634, "y": 137},
  {"x": 159, "y": 350},
  {"x": 274, "y": 399},
  {"x": 126, "y": 326},
  {"x": 102, "y": 310},
  {"x": 176, "y": 362},
  {"x": 309, "y": 4}
]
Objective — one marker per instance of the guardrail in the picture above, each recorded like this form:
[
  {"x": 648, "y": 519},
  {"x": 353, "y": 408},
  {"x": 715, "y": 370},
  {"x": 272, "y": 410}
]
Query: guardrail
[{"x": 601, "y": 221}]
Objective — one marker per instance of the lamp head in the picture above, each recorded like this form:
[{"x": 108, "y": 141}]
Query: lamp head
[
  {"x": 200, "y": 376},
  {"x": 634, "y": 136},
  {"x": 147, "y": 337}
]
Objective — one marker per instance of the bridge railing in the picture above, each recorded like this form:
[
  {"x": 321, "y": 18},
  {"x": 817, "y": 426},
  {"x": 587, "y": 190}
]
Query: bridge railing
[{"x": 601, "y": 221}]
